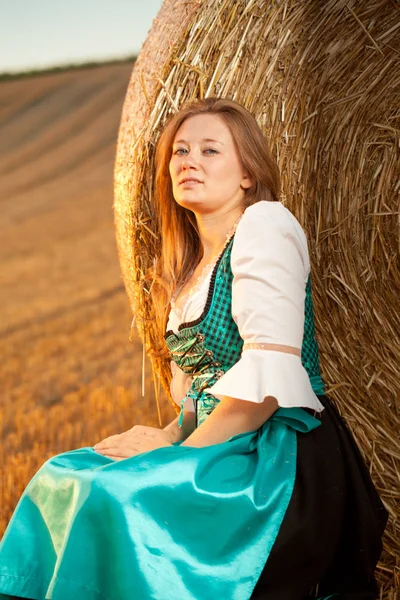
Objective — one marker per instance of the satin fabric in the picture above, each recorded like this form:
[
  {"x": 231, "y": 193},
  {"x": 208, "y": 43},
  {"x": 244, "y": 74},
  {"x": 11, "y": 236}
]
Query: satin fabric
[{"x": 176, "y": 522}]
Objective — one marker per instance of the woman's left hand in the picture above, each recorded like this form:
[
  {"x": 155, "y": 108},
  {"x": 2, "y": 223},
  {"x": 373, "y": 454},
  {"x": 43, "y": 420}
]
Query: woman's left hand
[{"x": 134, "y": 441}]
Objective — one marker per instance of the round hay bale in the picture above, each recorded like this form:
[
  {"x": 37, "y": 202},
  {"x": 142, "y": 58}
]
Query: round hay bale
[{"x": 322, "y": 79}]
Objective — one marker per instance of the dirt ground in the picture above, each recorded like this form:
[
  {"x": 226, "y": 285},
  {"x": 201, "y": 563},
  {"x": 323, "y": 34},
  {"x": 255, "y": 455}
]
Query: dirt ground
[{"x": 69, "y": 376}]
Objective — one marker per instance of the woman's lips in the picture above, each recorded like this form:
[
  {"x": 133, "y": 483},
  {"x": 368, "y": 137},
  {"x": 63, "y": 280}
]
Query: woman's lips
[{"x": 189, "y": 182}]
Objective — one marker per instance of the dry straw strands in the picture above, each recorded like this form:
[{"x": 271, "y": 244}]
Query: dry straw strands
[{"x": 323, "y": 79}]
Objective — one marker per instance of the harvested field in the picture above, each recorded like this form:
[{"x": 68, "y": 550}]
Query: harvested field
[{"x": 69, "y": 375}]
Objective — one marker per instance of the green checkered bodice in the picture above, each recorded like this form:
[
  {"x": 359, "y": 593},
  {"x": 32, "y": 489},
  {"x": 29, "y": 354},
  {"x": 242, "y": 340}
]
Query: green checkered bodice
[{"x": 209, "y": 346}]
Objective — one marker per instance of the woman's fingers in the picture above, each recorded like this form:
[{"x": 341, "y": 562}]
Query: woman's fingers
[
  {"x": 120, "y": 446},
  {"x": 120, "y": 453},
  {"x": 109, "y": 442},
  {"x": 130, "y": 443},
  {"x": 114, "y": 456}
]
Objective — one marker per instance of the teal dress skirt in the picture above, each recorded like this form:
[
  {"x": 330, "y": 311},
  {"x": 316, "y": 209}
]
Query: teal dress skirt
[{"x": 285, "y": 512}]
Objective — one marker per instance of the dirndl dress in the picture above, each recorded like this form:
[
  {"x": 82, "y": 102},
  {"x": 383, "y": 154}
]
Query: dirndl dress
[{"x": 285, "y": 512}]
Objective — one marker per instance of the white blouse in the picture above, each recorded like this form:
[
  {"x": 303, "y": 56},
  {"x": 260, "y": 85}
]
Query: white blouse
[{"x": 270, "y": 266}]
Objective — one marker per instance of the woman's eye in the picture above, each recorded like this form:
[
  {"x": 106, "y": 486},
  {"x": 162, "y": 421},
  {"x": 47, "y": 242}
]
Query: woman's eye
[
  {"x": 180, "y": 151},
  {"x": 210, "y": 151}
]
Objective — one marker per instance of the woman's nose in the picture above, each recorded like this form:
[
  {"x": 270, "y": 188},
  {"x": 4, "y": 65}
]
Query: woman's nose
[{"x": 188, "y": 162}]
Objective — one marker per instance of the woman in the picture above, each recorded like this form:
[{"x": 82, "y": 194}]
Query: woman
[{"x": 257, "y": 489}]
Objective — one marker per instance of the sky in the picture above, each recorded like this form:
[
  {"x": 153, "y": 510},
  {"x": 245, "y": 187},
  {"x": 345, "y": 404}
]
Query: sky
[{"x": 46, "y": 33}]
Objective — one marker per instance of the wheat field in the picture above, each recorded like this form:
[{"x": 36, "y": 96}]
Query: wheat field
[{"x": 69, "y": 376}]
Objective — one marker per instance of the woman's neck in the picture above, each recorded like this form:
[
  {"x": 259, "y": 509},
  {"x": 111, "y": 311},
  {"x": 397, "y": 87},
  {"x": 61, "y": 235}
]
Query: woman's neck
[{"x": 214, "y": 230}]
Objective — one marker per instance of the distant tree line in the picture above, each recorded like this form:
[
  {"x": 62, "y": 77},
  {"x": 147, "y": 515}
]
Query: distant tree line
[{"x": 63, "y": 68}]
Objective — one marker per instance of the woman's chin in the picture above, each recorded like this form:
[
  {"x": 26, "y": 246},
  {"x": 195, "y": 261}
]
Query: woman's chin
[{"x": 190, "y": 201}]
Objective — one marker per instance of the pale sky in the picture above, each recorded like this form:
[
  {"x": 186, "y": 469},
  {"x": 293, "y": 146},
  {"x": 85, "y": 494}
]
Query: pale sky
[{"x": 46, "y": 33}]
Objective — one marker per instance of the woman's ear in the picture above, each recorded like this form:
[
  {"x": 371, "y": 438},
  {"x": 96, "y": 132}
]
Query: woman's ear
[{"x": 247, "y": 182}]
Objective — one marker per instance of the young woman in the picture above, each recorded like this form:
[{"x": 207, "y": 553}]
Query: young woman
[{"x": 257, "y": 489}]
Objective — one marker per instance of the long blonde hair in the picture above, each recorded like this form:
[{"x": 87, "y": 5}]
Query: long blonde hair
[{"x": 181, "y": 249}]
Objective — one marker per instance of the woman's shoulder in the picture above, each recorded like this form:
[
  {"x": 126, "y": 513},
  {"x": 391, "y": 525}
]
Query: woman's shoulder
[
  {"x": 274, "y": 212},
  {"x": 265, "y": 216}
]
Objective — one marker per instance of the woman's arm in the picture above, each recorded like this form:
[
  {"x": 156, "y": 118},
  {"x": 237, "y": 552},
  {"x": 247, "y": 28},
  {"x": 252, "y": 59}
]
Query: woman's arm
[
  {"x": 176, "y": 433},
  {"x": 231, "y": 417}
]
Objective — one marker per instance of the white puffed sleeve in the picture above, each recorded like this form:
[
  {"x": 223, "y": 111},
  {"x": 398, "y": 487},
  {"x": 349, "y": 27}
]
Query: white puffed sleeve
[{"x": 270, "y": 265}]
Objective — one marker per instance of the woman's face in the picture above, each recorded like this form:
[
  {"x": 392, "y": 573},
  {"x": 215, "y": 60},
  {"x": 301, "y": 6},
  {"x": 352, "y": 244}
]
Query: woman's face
[{"x": 205, "y": 167}]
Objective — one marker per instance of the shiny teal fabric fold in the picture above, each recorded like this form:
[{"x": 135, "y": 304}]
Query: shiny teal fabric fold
[{"x": 177, "y": 522}]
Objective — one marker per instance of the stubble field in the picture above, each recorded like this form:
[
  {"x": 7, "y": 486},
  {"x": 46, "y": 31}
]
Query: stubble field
[{"x": 69, "y": 376}]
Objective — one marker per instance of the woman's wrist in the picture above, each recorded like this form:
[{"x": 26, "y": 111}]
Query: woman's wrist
[
  {"x": 178, "y": 434},
  {"x": 171, "y": 431}
]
